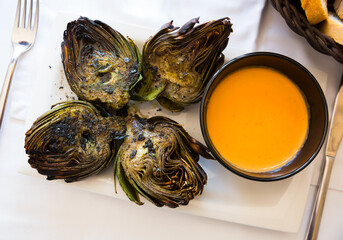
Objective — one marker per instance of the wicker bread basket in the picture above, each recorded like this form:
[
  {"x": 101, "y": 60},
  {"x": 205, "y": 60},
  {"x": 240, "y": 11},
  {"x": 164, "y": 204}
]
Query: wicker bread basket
[{"x": 295, "y": 18}]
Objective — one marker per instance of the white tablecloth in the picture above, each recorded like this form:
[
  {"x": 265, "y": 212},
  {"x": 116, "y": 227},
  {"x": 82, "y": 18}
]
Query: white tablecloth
[{"x": 34, "y": 209}]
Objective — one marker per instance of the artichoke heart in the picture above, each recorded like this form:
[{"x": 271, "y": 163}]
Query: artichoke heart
[
  {"x": 72, "y": 141},
  {"x": 177, "y": 63},
  {"x": 159, "y": 160},
  {"x": 101, "y": 66}
]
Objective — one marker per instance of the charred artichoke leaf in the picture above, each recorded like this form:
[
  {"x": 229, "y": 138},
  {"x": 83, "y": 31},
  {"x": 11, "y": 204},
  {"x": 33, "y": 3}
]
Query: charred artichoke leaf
[
  {"x": 170, "y": 105},
  {"x": 73, "y": 141},
  {"x": 159, "y": 160},
  {"x": 125, "y": 184},
  {"x": 182, "y": 60},
  {"x": 100, "y": 64}
]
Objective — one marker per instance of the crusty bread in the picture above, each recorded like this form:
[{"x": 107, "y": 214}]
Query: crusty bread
[
  {"x": 333, "y": 27},
  {"x": 338, "y": 6},
  {"x": 316, "y": 10}
]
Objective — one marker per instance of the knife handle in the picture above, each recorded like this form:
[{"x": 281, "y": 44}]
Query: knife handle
[{"x": 317, "y": 210}]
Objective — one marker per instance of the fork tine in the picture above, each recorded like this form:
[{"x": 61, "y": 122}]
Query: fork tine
[
  {"x": 30, "y": 16},
  {"x": 24, "y": 15},
  {"x": 35, "y": 25},
  {"x": 17, "y": 16}
]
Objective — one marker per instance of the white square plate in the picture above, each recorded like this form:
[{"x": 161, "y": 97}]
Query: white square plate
[{"x": 272, "y": 205}]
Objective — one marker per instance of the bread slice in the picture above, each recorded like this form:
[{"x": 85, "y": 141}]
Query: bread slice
[
  {"x": 338, "y": 6},
  {"x": 333, "y": 27},
  {"x": 316, "y": 10}
]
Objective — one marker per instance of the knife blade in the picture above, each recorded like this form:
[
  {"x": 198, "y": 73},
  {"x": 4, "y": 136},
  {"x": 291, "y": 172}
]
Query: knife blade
[{"x": 334, "y": 139}]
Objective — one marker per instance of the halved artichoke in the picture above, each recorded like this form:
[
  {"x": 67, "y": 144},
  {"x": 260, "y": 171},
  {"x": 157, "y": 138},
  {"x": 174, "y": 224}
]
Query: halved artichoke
[
  {"x": 72, "y": 141},
  {"x": 159, "y": 160},
  {"x": 178, "y": 63},
  {"x": 101, "y": 65}
]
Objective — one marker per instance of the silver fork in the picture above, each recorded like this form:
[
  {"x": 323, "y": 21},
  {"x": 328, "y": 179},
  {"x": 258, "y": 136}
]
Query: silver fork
[{"x": 23, "y": 37}]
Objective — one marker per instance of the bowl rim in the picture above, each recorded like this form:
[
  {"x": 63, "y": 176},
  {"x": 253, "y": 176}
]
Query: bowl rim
[{"x": 212, "y": 149}]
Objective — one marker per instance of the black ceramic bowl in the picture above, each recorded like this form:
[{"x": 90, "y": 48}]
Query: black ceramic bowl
[{"x": 318, "y": 119}]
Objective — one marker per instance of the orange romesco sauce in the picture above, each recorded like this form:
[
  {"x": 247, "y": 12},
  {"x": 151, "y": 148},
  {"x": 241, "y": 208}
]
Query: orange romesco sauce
[{"x": 257, "y": 119}]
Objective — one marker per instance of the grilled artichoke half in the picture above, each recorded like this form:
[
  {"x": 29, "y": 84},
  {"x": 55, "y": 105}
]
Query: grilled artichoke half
[
  {"x": 159, "y": 160},
  {"x": 178, "y": 63},
  {"x": 73, "y": 141},
  {"x": 101, "y": 66}
]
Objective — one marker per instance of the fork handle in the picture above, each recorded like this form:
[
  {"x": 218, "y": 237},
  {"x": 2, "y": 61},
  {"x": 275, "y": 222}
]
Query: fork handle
[
  {"x": 313, "y": 228},
  {"x": 6, "y": 86}
]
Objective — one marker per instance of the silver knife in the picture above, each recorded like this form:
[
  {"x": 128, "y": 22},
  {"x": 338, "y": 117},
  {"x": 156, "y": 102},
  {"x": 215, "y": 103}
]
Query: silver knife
[{"x": 334, "y": 140}]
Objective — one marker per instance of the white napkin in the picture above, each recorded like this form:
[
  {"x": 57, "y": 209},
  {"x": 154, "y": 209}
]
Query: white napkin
[{"x": 152, "y": 14}]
